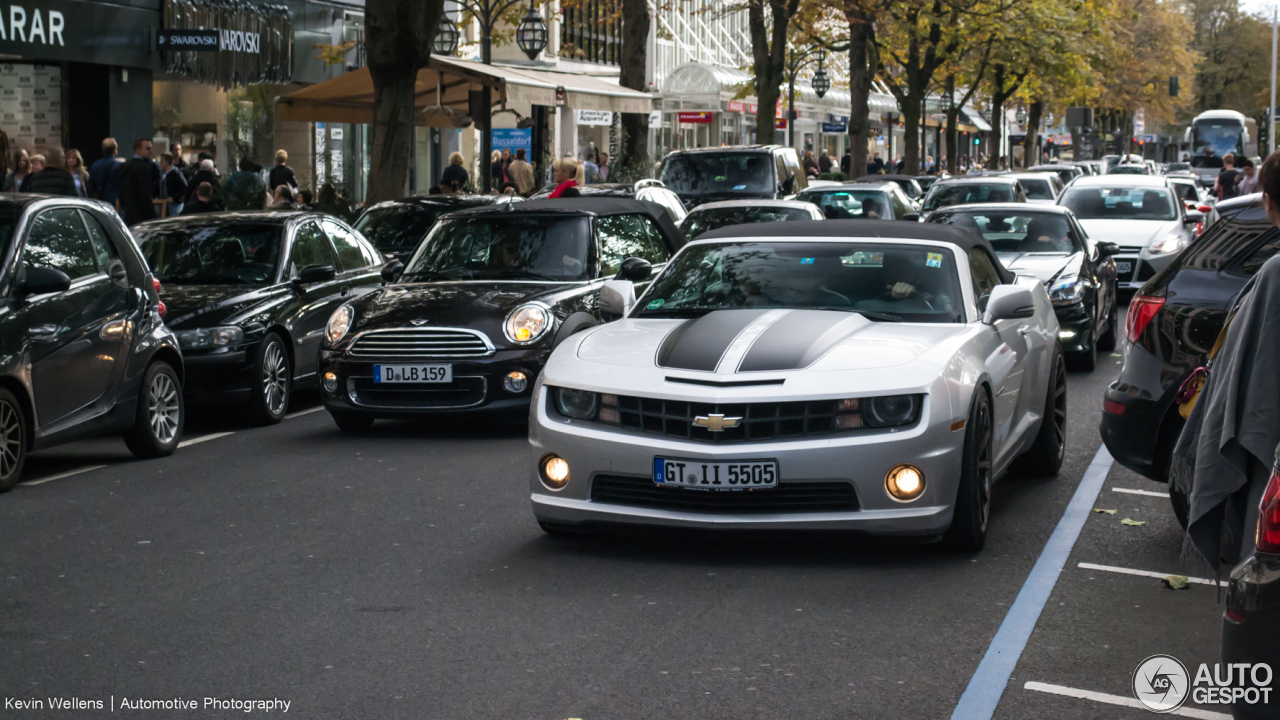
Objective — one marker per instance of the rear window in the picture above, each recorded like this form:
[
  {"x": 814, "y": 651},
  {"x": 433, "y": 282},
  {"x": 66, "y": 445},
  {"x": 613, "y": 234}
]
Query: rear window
[
  {"x": 399, "y": 227},
  {"x": 1237, "y": 243}
]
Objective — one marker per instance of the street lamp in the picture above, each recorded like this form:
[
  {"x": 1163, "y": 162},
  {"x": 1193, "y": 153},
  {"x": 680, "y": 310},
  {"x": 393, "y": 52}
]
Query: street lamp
[
  {"x": 531, "y": 37},
  {"x": 796, "y": 63},
  {"x": 1021, "y": 116},
  {"x": 821, "y": 83},
  {"x": 446, "y": 41}
]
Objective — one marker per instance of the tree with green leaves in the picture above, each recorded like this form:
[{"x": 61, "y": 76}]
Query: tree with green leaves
[{"x": 769, "y": 22}]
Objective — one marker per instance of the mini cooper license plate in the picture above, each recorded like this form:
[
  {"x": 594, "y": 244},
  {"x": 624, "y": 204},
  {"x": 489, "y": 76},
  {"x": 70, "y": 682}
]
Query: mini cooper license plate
[
  {"x": 413, "y": 373},
  {"x": 730, "y": 475}
]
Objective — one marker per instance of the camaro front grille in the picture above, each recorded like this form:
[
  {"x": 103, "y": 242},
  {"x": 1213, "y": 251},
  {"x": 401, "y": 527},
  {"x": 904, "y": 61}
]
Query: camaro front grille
[
  {"x": 794, "y": 497},
  {"x": 421, "y": 343},
  {"x": 759, "y": 421}
]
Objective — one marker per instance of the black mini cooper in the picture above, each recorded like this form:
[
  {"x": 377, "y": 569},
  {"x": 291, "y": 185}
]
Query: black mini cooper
[{"x": 489, "y": 293}]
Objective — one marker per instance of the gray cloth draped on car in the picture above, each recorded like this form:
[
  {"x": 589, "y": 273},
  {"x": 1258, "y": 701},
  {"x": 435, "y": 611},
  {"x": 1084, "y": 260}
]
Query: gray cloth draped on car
[{"x": 1236, "y": 416}]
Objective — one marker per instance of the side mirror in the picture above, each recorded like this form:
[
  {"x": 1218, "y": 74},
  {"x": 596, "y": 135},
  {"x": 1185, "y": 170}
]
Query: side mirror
[
  {"x": 392, "y": 271},
  {"x": 119, "y": 275},
  {"x": 313, "y": 274},
  {"x": 788, "y": 185},
  {"x": 1009, "y": 302},
  {"x": 1193, "y": 217},
  {"x": 1107, "y": 249},
  {"x": 39, "y": 281},
  {"x": 911, "y": 217},
  {"x": 617, "y": 297},
  {"x": 634, "y": 269}
]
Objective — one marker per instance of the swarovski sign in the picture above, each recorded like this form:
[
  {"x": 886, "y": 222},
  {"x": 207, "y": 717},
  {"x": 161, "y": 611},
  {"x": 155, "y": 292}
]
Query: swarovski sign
[
  {"x": 254, "y": 42},
  {"x": 241, "y": 41}
]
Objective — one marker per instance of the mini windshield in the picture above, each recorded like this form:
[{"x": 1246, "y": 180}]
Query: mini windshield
[
  {"x": 1125, "y": 203},
  {"x": 840, "y": 204},
  {"x": 1015, "y": 232},
  {"x": 1037, "y": 189},
  {"x": 703, "y": 221},
  {"x": 399, "y": 227},
  {"x": 915, "y": 283},
  {"x": 502, "y": 247},
  {"x": 230, "y": 254},
  {"x": 944, "y": 194},
  {"x": 711, "y": 173}
]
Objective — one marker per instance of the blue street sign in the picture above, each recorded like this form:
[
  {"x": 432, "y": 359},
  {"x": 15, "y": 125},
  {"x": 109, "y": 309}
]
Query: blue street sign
[
  {"x": 834, "y": 127},
  {"x": 512, "y": 138}
]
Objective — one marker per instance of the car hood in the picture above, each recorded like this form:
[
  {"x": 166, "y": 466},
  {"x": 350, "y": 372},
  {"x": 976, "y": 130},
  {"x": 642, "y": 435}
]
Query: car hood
[
  {"x": 1129, "y": 233},
  {"x": 199, "y": 306},
  {"x": 1046, "y": 267},
  {"x": 692, "y": 201},
  {"x": 479, "y": 305}
]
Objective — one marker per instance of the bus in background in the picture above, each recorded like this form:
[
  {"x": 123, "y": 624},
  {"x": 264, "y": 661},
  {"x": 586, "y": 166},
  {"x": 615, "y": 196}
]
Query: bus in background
[{"x": 1215, "y": 133}]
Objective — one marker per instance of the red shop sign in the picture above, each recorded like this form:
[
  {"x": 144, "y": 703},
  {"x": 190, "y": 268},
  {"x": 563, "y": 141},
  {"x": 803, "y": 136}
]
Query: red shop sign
[
  {"x": 780, "y": 123},
  {"x": 753, "y": 108},
  {"x": 736, "y": 106},
  {"x": 695, "y": 118}
]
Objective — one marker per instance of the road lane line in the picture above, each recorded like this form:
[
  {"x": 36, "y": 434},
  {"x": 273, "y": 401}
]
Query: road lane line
[
  {"x": 1119, "y": 700},
  {"x": 1152, "y": 493},
  {"x": 59, "y": 476},
  {"x": 1139, "y": 573},
  {"x": 988, "y": 683},
  {"x": 202, "y": 438},
  {"x": 300, "y": 413}
]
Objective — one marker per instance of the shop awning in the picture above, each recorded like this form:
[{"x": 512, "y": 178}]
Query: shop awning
[{"x": 975, "y": 118}]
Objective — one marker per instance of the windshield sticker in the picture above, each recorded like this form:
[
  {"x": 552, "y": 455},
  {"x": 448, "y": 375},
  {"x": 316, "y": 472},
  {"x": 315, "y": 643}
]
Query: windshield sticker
[
  {"x": 655, "y": 304},
  {"x": 739, "y": 187},
  {"x": 934, "y": 260},
  {"x": 806, "y": 261}
]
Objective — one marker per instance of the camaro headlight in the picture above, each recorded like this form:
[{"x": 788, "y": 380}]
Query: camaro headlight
[
  {"x": 210, "y": 337},
  {"x": 339, "y": 324},
  {"x": 1067, "y": 291},
  {"x": 891, "y": 410},
  {"x": 1167, "y": 244},
  {"x": 579, "y": 404},
  {"x": 527, "y": 323}
]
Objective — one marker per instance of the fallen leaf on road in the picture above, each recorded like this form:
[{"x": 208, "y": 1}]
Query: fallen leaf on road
[
  {"x": 1175, "y": 582},
  {"x": 1127, "y": 521},
  {"x": 1100, "y": 510}
]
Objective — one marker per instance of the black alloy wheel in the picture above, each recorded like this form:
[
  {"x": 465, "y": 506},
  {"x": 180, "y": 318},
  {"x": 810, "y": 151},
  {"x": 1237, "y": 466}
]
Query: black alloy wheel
[
  {"x": 972, "y": 512},
  {"x": 13, "y": 440},
  {"x": 157, "y": 427},
  {"x": 1044, "y": 457},
  {"x": 272, "y": 381}
]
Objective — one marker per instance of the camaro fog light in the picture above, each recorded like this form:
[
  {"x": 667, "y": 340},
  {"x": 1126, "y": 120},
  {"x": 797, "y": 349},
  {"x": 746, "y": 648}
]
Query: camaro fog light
[
  {"x": 904, "y": 482},
  {"x": 331, "y": 382},
  {"x": 554, "y": 472},
  {"x": 515, "y": 382}
]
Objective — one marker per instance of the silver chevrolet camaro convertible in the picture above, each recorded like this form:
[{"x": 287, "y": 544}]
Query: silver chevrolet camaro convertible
[{"x": 844, "y": 374}]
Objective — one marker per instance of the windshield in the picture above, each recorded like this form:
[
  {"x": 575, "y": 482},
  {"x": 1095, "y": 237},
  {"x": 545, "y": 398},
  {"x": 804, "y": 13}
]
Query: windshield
[
  {"x": 1212, "y": 139},
  {"x": 1016, "y": 232},
  {"x": 843, "y": 204},
  {"x": 1124, "y": 203},
  {"x": 398, "y": 227},
  {"x": 1128, "y": 170},
  {"x": 230, "y": 254},
  {"x": 925, "y": 182},
  {"x": 1037, "y": 189},
  {"x": 501, "y": 247},
  {"x": 1187, "y": 191},
  {"x": 702, "y": 221},
  {"x": 944, "y": 194},
  {"x": 711, "y": 173},
  {"x": 886, "y": 282},
  {"x": 1178, "y": 167}
]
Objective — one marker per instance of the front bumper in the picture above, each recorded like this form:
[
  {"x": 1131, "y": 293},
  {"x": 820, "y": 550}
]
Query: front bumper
[
  {"x": 1075, "y": 327},
  {"x": 598, "y": 454},
  {"x": 1142, "y": 267},
  {"x": 223, "y": 375},
  {"x": 1253, "y": 596}
]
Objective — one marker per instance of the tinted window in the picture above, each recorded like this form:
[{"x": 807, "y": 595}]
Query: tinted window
[
  {"x": 351, "y": 256},
  {"x": 1015, "y": 232},
  {"x": 695, "y": 174},
  {"x": 234, "y": 253},
  {"x": 985, "y": 277},
  {"x": 546, "y": 247},
  {"x": 310, "y": 247},
  {"x": 624, "y": 236},
  {"x": 1256, "y": 259},
  {"x": 1120, "y": 203},
  {"x": 102, "y": 247},
  {"x": 398, "y": 227},
  {"x": 58, "y": 240},
  {"x": 702, "y": 221},
  {"x": 842, "y": 203},
  {"x": 943, "y": 194}
]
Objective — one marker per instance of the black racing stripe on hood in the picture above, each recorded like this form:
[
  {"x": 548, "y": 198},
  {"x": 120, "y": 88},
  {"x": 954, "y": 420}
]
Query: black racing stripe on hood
[
  {"x": 699, "y": 344},
  {"x": 799, "y": 338}
]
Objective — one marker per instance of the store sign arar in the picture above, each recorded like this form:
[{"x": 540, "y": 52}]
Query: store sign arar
[{"x": 20, "y": 24}]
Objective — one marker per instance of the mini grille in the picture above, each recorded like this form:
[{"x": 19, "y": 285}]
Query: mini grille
[
  {"x": 760, "y": 421},
  {"x": 420, "y": 343},
  {"x": 787, "y": 497}
]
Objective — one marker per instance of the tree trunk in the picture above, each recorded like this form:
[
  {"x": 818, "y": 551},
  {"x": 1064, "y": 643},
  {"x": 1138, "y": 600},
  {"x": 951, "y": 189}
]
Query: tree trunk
[
  {"x": 635, "y": 42},
  {"x": 1030, "y": 151},
  {"x": 911, "y": 117},
  {"x": 768, "y": 59},
  {"x": 998, "y": 97},
  {"x": 861, "y": 71},
  {"x": 392, "y": 139}
]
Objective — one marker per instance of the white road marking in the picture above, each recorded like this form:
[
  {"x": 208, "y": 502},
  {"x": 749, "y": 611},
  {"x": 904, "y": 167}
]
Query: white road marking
[
  {"x": 300, "y": 413},
  {"x": 1152, "y": 493},
  {"x": 1119, "y": 700},
  {"x": 1139, "y": 573},
  {"x": 202, "y": 438},
  {"x": 59, "y": 476}
]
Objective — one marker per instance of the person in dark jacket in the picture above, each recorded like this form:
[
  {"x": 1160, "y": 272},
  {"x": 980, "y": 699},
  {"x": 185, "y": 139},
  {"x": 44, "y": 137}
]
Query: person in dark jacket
[
  {"x": 102, "y": 178},
  {"x": 173, "y": 184},
  {"x": 455, "y": 174},
  {"x": 53, "y": 179},
  {"x": 139, "y": 179},
  {"x": 205, "y": 174},
  {"x": 281, "y": 174},
  {"x": 203, "y": 201}
]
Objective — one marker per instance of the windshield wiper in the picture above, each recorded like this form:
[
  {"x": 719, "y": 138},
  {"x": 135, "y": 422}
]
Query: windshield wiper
[
  {"x": 868, "y": 314},
  {"x": 527, "y": 274},
  {"x": 426, "y": 273}
]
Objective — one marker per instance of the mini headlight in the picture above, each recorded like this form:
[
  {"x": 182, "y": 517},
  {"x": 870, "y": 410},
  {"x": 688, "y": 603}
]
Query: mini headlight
[
  {"x": 579, "y": 404},
  {"x": 891, "y": 411},
  {"x": 1167, "y": 244},
  {"x": 210, "y": 337},
  {"x": 904, "y": 482},
  {"x": 527, "y": 323},
  {"x": 339, "y": 324}
]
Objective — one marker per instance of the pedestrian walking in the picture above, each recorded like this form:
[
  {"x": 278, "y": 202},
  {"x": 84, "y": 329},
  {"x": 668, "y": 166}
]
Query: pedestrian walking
[
  {"x": 1225, "y": 187},
  {"x": 80, "y": 176},
  {"x": 205, "y": 174},
  {"x": 139, "y": 180},
  {"x": 521, "y": 173},
  {"x": 175, "y": 149},
  {"x": 202, "y": 201},
  {"x": 37, "y": 164},
  {"x": 845, "y": 162},
  {"x": 103, "y": 181},
  {"x": 590, "y": 171},
  {"x": 602, "y": 166},
  {"x": 568, "y": 175},
  {"x": 281, "y": 174},
  {"x": 173, "y": 184},
  {"x": 244, "y": 189},
  {"x": 824, "y": 162},
  {"x": 21, "y": 169},
  {"x": 810, "y": 165},
  {"x": 1247, "y": 183},
  {"x": 454, "y": 176},
  {"x": 52, "y": 179},
  {"x": 497, "y": 171}
]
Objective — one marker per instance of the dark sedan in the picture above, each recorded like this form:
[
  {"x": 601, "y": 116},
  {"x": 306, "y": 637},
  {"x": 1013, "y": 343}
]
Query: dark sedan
[
  {"x": 248, "y": 295},
  {"x": 970, "y": 190},
  {"x": 397, "y": 226},
  {"x": 1173, "y": 322},
  {"x": 1048, "y": 243},
  {"x": 475, "y": 314}
]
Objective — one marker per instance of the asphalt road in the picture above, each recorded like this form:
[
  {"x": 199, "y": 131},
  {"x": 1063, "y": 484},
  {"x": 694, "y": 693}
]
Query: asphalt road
[{"x": 401, "y": 575}]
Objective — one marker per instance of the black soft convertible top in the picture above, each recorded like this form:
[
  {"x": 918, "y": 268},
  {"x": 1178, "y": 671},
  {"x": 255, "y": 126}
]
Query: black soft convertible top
[
  {"x": 863, "y": 229},
  {"x": 595, "y": 205}
]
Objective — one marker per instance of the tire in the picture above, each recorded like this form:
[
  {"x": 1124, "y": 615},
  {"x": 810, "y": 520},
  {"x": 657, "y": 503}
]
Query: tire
[
  {"x": 1085, "y": 360},
  {"x": 272, "y": 382},
  {"x": 351, "y": 422},
  {"x": 1108, "y": 340},
  {"x": 1044, "y": 457},
  {"x": 157, "y": 428},
  {"x": 1181, "y": 506},
  {"x": 972, "y": 514},
  {"x": 13, "y": 440}
]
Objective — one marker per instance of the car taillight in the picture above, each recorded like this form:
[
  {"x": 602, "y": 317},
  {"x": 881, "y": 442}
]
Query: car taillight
[
  {"x": 1141, "y": 310},
  {"x": 1269, "y": 516},
  {"x": 162, "y": 309},
  {"x": 1199, "y": 228},
  {"x": 155, "y": 283}
]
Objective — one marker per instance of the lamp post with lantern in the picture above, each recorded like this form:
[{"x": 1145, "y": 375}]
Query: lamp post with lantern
[{"x": 821, "y": 82}]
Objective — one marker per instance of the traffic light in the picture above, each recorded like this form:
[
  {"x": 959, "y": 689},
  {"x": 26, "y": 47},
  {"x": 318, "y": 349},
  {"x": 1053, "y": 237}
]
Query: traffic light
[
  {"x": 1173, "y": 86},
  {"x": 977, "y": 141}
]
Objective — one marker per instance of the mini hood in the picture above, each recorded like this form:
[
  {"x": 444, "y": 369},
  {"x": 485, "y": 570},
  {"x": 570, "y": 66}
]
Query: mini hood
[{"x": 477, "y": 305}]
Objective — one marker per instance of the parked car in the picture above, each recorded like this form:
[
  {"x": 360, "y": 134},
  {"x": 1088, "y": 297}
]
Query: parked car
[
  {"x": 909, "y": 183},
  {"x": 1140, "y": 214},
  {"x": 248, "y": 295},
  {"x": 644, "y": 190},
  {"x": 1129, "y": 169},
  {"x": 1066, "y": 173},
  {"x": 490, "y": 293},
  {"x": 925, "y": 181},
  {"x": 711, "y": 216},
  {"x": 740, "y": 172},
  {"x": 767, "y": 379},
  {"x": 86, "y": 351},
  {"x": 1040, "y": 187},
  {"x": 1172, "y": 324},
  {"x": 863, "y": 201},
  {"x": 396, "y": 227},
  {"x": 970, "y": 189},
  {"x": 1047, "y": 243}
]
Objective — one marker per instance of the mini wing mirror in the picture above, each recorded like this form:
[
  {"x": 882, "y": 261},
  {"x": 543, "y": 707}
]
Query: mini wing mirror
[
  {"x": 313, "y": 274},
  {"x": 392, "y": 271},
  {"x": 1009, "y": 302},
  {"x": 634, "y": 269},
  {"x": 911, "y": 217},
  {"x": 39, "y": 281},
  {"x": 617, "y": 297},
  {"x": 1107, "y": 249}
]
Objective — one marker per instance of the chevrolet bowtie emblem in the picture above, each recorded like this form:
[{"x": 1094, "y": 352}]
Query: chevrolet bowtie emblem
[
  {"x": 716, "y": 423},
  {"x": 419, "y": 321}
]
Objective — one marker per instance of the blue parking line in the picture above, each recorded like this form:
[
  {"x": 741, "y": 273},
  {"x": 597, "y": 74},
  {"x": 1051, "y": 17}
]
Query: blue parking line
[{"x": 992, "y": 676}]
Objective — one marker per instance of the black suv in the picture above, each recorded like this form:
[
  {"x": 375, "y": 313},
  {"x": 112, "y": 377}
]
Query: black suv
[
  {"x": 733, "y": 173},
  {"x": 85, "y": 349}
]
